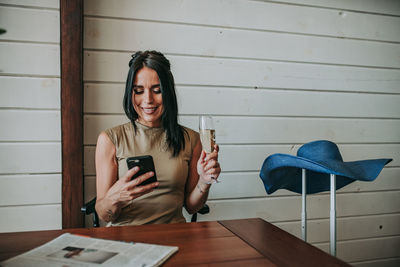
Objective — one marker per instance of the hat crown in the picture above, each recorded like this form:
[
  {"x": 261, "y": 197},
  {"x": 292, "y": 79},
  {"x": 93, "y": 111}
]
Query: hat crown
[{"x": 321, "y": 150}]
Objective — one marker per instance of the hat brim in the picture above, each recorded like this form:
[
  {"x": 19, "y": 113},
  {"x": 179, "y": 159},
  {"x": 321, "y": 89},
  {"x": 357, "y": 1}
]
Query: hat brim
[{"x": 283, "y": 171}]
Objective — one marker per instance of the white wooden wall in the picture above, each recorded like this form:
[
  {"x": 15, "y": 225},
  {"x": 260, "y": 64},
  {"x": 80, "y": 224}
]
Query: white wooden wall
[
  {"x": 30, "y": 147},
  {"x": 274, "y": 74}
]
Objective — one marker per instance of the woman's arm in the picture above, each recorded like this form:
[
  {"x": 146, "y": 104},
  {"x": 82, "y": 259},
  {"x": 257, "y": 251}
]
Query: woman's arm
[
  {"x": 112, "y": 193},
  {"x": 202, "y": 168}
]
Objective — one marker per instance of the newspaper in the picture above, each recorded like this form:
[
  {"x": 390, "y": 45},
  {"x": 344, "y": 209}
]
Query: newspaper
[{"x": 73, "y": 250}]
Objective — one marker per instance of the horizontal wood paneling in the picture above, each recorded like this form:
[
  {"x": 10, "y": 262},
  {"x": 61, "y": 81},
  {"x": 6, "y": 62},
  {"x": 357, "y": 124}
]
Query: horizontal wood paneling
[
  {"x": 347, "y": 228},
  {"x": 255, "y": 102},
  {"x": 279, "y": 209},
  {"x": 29, "y": 218},
  {"x": 240, "y": 130},
  {"x": 383, "y": 6},
  {"x": 275, "y": 17},
  {"x": 42, "y": 125},
  {"x": 390, "y": 262},
  {"x": 30, "y": 189},
  {"x": 90, "y": 187},
  {"x": 28, "y": 92},
  {"x": 281, "y": 130},
  {"x": 30, "y": 148},
  {"x": 366, "y": 249},
  {"x": 30, "y": 158},
  {"x": 32, "y": 59},
  {"x": 113, "y": 67},
  {"x": 89, "y": 167},
  {"x": 35, "y": 3},
  {"x": 256, "y": 74},
  {"x": 93, "y": 125},
  {"x": 222, "y": 42},
  {"x": 31, "y": 25}
]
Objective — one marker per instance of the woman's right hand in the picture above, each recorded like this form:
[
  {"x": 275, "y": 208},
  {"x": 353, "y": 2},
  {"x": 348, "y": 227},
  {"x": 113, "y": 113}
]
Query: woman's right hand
[{"x": 124, "y": 189}]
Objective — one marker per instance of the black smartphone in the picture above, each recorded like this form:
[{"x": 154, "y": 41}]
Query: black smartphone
[{"x": 145, "y": 164}]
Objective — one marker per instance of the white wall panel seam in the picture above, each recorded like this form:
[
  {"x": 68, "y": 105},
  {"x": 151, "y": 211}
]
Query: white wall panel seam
[
  {"x": 30, "y": 7},
  {"x": 28, "y": 109},
  {"x": 242, "y": 28},
  {"x": 256, "y": 116},
  {"x": 27, "y": 174},
  {"x": 344, "y": 241},
  {"x": 22, "y": 75},
  {"x": 296, "y": 3},
  {"x": 28, "y": 42},
  {"x": 378, "y": 261},
  {"x": 338, "y": 217},
  {"x": 187, "y": 86},
  {"x": 31, "y": 205},
  {"x": 129, "y": 52}
]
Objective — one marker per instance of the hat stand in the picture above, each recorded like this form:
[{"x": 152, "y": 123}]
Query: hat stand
[
  {"x": 304, "y": 205},
  {"x": 333, "y": 216},
  {"x": 332, "y": 211}
]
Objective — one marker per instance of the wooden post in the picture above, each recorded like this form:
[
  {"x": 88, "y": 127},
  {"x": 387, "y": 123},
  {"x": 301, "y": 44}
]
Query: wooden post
[{"x": 72, "y": 112}]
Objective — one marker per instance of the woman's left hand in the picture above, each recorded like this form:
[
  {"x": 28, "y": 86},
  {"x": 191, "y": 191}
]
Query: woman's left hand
[{"x": 208, "y": 166}]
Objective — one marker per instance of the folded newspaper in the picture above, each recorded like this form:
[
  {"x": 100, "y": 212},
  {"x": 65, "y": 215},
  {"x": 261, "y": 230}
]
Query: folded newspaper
[{"x": 74, "y": 250}]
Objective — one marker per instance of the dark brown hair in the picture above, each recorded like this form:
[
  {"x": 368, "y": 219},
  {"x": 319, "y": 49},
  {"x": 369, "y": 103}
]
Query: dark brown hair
[{"x": 159, "y": 63}]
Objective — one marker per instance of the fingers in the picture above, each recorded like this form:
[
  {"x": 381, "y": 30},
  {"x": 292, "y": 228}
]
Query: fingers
[
  {"x": 216, "y": 147},
  {"x": 131, "y": 192},
  {"x": 213, "y": 154},
  {"x": 141, "y": 190},
  {"x": 209, "y": 164},
  {"x": 129, "y": 174},
  {"x": 212, "y": 168},
  {"x": 127, "y": 195},
  {"x": 137, "y": 181},
  {"x": 132, "y": 189},
  {"x": 202, "y": 156}
]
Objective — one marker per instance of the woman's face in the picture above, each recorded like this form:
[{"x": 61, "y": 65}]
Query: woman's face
[{"x": 147, "y": 98}]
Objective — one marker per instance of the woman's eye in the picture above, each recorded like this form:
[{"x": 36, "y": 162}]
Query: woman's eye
[
  {"x": 138, "y": 91},
  {"x": 157, "y": 90}
]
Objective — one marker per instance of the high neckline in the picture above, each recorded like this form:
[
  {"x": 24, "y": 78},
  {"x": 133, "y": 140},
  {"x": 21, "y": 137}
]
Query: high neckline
[{"x": 145, "y": 127}]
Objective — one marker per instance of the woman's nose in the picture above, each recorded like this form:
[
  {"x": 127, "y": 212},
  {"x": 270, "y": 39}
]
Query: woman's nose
[{"x": 148, "y": 96}]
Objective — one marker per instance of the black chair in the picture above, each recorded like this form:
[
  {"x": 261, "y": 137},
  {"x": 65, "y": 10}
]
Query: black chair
[
  {"x": 89, "y": 208},
  {"x": 204, "y": 210}
]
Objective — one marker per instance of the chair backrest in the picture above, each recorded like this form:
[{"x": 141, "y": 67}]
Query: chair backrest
[{"x": 89, "y": 208}]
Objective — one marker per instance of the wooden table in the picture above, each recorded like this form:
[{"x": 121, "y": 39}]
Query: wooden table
[{"x": 247, "y": 242}]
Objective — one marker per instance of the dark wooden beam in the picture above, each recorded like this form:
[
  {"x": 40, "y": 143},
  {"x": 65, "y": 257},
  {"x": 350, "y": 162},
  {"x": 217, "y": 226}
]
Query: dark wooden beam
[{"x": 71, "y": 17}]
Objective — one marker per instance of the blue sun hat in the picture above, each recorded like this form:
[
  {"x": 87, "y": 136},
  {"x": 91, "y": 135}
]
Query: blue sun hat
[{"x": 320, "y": 159}]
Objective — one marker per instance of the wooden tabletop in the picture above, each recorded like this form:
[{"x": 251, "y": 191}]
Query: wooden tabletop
[{"x": 251, "y": 242}]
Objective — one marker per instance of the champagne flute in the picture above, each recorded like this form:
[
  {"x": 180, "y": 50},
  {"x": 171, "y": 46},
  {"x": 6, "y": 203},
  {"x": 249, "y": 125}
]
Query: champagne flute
[{"x": 207, "y": 136}]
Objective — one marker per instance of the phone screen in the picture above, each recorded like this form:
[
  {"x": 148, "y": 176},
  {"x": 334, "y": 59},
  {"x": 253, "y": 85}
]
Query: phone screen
[{"x": 145, "y": 164}]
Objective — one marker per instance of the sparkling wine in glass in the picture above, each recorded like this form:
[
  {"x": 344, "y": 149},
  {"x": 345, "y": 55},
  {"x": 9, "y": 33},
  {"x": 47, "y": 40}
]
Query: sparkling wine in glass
[{"x": 207, "y": 135}]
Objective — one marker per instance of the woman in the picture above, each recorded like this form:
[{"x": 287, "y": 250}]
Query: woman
[{"x": 184, "y": 171}]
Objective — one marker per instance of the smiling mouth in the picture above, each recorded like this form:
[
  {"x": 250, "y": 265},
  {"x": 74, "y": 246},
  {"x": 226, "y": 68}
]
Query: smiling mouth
[{"x": 149, "y": 110}]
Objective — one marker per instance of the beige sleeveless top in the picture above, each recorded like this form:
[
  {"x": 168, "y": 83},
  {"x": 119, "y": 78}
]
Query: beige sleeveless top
[{"x": 164, "y": 204}]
